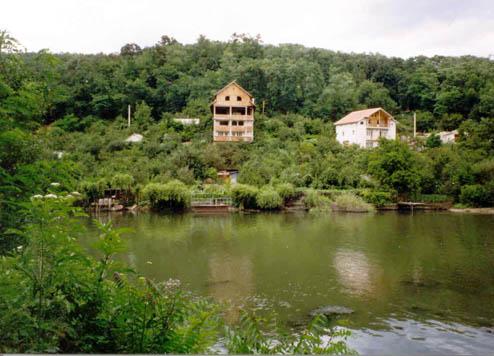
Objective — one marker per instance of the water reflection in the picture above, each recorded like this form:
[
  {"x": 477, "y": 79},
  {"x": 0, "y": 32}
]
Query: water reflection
[
  {"x": 230, "y": 281},
  {"x": 354, "y": 271}
]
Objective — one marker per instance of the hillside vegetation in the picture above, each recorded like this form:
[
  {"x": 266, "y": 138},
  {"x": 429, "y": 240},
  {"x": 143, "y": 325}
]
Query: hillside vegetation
[{"x": 63, "y": 120}]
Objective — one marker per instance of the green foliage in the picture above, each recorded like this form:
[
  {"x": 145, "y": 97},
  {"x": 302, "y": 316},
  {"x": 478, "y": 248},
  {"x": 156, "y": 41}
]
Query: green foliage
[
  {"x": 244, "y": 196},
  {"x": 174, "y": 195},
  {"x": 376, "y": 198},
  {"x": 268, "y": 199},
  {"x": 286, "y": 191},
  {"x": 433, "y": 141},
  {"x": 476, "y": 195},
  {"x": 396, "y": 167},
  {"x": 351, "y": 202},
  {"x": 251, "y": 336},
  {"x": 122, "y": 181},
  {"x": 312, "y": 199}
]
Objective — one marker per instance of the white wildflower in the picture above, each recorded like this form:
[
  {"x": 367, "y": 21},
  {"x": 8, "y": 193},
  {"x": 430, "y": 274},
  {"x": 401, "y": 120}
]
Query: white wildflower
[
  {"x": 51, "y": 196},
  {"x": 55, "y": 184}
]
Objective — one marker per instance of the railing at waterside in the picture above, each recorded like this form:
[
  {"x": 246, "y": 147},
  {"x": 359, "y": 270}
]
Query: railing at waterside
[{"x": 204, "y": 199}]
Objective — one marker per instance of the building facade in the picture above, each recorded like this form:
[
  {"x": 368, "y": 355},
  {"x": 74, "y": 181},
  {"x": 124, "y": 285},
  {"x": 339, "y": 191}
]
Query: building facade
[
  {"x": 365, "y": 127},
  {"x": 233, "y": 114}
]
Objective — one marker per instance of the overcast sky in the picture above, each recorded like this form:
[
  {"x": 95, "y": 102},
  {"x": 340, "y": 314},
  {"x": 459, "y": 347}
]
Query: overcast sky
[{"x": 392, "y": 27}]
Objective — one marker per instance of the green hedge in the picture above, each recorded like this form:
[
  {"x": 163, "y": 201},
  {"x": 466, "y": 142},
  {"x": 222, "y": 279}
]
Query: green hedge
[
  {"x": 476, "y": 195},
  {"x": 173, "y": 195},
  {"x": 244, "y": 196},
  {"x": 269, "y": 199},
  {"x": 286, "y": 191}
]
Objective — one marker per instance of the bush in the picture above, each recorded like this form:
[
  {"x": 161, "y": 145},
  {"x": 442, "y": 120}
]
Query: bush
[
  {"x": 475, "y": 195},
  {"x": 173, "y": 195},
  {"x": 244, "y": 196},
  {"x": 286, "y": 191},
  {"x": 311, "y": 198},
  {"x": 268, "y": 199},
  {"x": 376, "y": 198},
  {"x": 122, "y": 181},
  {"x": 352, "y": 202},
  {"x": 93, "y": 190},
  {"x": 117, "y": 145}
]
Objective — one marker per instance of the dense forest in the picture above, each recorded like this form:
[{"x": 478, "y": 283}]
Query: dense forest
[{"x": 63, "y": 129}]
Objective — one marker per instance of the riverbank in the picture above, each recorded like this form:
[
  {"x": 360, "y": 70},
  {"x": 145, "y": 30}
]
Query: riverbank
[{"x": 484, "y": 211}]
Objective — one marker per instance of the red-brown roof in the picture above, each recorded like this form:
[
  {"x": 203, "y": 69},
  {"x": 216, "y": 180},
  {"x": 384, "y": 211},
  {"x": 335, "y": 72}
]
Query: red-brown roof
[{"x": 356, "y": 116}]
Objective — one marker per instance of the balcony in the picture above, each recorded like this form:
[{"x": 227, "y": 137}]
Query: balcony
[
  {"x": 233, "y": 117},
  {"x": 380, "y": 127}
]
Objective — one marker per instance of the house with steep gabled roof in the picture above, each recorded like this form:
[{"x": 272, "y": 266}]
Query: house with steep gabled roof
[
  {"x": 233, "y": 114},
  {"x": 365, "y": 127}
]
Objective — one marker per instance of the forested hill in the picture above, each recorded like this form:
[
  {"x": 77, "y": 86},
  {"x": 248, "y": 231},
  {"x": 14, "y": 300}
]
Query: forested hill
[
  {"x": 63, "y": 120},
  {"x": 173, "y": 77}
]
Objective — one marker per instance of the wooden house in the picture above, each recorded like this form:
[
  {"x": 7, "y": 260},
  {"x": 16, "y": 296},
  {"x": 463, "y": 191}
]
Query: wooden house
[
  {"x": 365, "y": 127},
  {"x": 233, "y": 114}
]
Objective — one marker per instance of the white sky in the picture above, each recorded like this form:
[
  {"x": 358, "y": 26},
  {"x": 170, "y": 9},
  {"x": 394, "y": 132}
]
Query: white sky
[{"x": 392, "y": 27}]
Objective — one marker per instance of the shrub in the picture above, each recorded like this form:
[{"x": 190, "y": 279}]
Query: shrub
[
  {"x": 474, "y": 195},
  {"x": 286, "y": 191},
  {"x": 173, "y": 195},
  {"x": 122, "y": 181},
  {"x": 244, "y": 196},
  {"x": 376, "y": 198},
  {"x": 352, "y": 202},
  {"x": 93, "y": 190},
  {"x": 268, "y": 199},
  {"x": 312, "y": 199},
  {"x": 117, "y": 145}
]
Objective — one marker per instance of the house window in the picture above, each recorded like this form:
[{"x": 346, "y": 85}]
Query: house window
[
  {"x": 227, "y": 98},
  {"x": 224, "y": 123},
  {"x": 238, "y": 111},
  {"x": 239, "y": 98},
  {"x": 222, "y": 110},
  {"x": 361, "y": 122},
  {"x": 240, "y": 123}
]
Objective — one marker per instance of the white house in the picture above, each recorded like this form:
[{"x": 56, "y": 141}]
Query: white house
[
  {"x": 448, "y": 136},
  {"x": 365, "y": 127}
]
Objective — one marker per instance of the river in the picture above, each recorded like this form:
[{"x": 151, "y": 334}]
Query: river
[{"x": 418, "y": 283}]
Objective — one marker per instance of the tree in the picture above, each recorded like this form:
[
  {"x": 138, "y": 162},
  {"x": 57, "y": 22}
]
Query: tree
[
  {"x": 338, "y": 98},
  {"x": 130, "y": 49},
  {"x": 8, "y": 44},
  {"x": 373, "y": 95},
  {"x": 396, "y": 167}
]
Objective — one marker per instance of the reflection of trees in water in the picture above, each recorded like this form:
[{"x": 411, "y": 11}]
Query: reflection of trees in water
[{"x": 230, "y": 281}]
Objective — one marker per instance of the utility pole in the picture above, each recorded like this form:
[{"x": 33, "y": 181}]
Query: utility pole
[
  {"x": 414, "y": 125},
  {"x": 128, "y": 116}
]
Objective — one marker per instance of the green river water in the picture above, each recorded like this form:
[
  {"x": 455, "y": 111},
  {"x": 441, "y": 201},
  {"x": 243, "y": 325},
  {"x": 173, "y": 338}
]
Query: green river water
[{"x": 418, "y": 283}]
